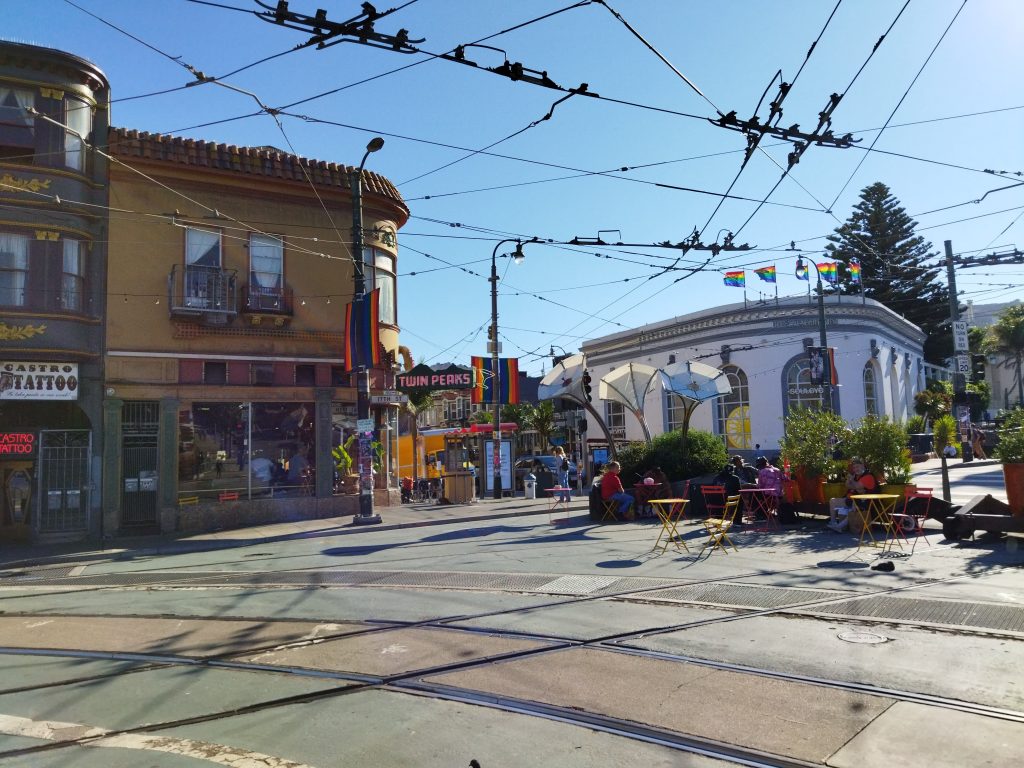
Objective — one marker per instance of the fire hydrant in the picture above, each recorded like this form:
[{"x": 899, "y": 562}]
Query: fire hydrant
[{"x": 530, "y": 486}]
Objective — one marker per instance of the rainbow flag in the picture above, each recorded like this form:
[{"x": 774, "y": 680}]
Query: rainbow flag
[
  {"x": 736, "y": 279},
  {"x": 855, "y": 270},
  {"x": 828, "y": 271},
  {"x": 508, "y": 380},
  {"x": 362, "y": 332},
  {"x": 766, "y": 273}
]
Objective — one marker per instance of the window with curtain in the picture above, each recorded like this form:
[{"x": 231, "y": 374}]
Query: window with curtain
[
  {"x": 78, "y": 119},
  {"x": 732, "y": 411},
  {"x": 870, "y": 390},
  {"x": 266, "y": 269},
  {"x": 202, "y": 260},
  {"x": 72, "y": 286},
  {"x": 379, "y": 272},
  {"x": 13, "y": 269},
  {"x": 17, "y": 126},
  {"x": 800, "y": 393}
]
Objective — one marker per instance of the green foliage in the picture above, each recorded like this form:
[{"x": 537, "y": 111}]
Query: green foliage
[
  {"x": 836, "y": 470},
  {"x": 899, "y": 267},
  {"x": 933, "y": 403},
  {"x": 882, "y": 445},
  {"x": 1006, "y": 337},
  {"x": 342, "y": 460},
  {"x": 944, "y": 432},
  {"x": 915, "y": 425},
  {"x": 1011, "y": 438},
  {"x": 810, "y": 438},
  {"x": 486, "y": 417},
  {"x": 704, "y": 453}
]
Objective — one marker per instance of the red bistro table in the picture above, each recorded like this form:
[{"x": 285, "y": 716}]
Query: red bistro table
[{"x": 761, "y": 500}]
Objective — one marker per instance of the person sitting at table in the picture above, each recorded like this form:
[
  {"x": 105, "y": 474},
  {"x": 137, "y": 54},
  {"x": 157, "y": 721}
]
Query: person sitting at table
[
  {"x": 612, "y": 490},
  {"x": 769, "y": 479},
  {"x": 728, "y": 478},
  {"x": 858, "y": 480},
  {"x": 746, "y": 473},
  {"x": 660, "y": 481}
]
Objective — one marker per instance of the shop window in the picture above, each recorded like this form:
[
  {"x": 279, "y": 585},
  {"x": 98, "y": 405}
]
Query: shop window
[
  {"x": 13, "y": 269},
  {"x": 215, "y": 373},
  {"x": 305, "y": 375},
  {"x": 379, "y": 272},
  {"x": 732, "y": 411},
  {"x": 339, "y": 377},
  {"x": 800, "y": 392}
]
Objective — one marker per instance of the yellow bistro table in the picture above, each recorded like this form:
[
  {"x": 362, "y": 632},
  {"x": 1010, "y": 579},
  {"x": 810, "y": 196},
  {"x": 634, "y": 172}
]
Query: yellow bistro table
[
  {"x": 670, "y": 512},
  {"x": 877, "y": 508}
]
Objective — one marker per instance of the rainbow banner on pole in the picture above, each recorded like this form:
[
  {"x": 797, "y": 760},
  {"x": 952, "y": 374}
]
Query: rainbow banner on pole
[
  {"x": 483, "y": 380},
  {"x": 362, "y": 332},
  {"x": 829, "y": 272},
  {"x": 766, "y": 273},
  {"x": 736, "y": 279},
  {"x": 855, "y": 270}
]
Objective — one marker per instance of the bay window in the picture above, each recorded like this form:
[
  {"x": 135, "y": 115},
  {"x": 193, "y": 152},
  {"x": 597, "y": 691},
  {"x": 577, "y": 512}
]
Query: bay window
[{"x": 13, "y": 269}]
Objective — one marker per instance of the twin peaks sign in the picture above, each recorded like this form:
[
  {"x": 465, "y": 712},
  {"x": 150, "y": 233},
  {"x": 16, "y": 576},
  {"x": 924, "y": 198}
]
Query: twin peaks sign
[{"x": 423, "y": 377}]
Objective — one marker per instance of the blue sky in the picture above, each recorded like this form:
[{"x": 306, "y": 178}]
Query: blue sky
[{"x": 546, "y": 186}]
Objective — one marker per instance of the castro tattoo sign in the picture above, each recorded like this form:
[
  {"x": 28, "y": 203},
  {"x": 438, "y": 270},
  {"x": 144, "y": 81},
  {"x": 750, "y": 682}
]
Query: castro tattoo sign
[{"x": 38, "y": 381}]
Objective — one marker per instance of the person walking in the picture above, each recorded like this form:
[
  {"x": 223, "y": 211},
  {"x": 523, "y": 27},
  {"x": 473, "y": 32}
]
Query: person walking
[{"x": 978, "y": 443}]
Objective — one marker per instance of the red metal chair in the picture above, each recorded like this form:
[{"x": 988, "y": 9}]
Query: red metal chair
[
  {"x": 914, "y": 513},
  {"x": 714, "y": 500}
]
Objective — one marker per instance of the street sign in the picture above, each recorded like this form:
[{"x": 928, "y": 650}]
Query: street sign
[
  {"x": 364, "y": 425},
  {"x": 389, "y": 397},
  {"x": 963, "y": 364},
  {"x": 960, "y": 336}
]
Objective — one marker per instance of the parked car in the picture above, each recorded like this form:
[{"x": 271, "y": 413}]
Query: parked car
[{"x": 524, "y": 465}]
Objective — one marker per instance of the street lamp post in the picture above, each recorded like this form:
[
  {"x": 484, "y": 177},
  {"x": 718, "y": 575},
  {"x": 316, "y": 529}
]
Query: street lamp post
[
  {"x": 494, "y": 348},
  {"x": 366, "y": 515},
  {"x": 826, "y": 378}
]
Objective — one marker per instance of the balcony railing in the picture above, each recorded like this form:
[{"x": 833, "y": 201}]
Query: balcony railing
[
  {"x": 207, "y": 293},
  {"x": 272, "y": 301}
]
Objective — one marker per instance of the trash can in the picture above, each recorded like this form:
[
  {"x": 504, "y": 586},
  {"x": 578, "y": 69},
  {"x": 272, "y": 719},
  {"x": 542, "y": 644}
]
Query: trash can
[{"x": 530, "y": 486}]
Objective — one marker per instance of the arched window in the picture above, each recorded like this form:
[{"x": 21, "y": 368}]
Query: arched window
[
  {"x": 732, "y": 419},
  {"x": 800, "y": 393},
  {"x": 870, "y": 390}
]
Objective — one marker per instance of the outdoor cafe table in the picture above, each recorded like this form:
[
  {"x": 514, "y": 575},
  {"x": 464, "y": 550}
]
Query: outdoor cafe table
[
  {"x": 760, "y": 500},
  {"x": 877, "y": 508},
  {"x": 670, "y": 512},
  {"x": 644, "y": 493}
]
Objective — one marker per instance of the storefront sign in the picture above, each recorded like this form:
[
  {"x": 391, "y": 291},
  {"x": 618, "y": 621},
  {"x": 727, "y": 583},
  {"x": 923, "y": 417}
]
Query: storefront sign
[
  {"x": 38, "y": 381},
  {"x": 426, "y": 378},
  {"x": 17, "y": 443}
]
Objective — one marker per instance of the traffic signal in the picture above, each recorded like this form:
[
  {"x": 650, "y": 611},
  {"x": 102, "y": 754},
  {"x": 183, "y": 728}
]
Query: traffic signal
[
  {"x": 586, "y": 386},
  {"x": 978, "y": 367}
]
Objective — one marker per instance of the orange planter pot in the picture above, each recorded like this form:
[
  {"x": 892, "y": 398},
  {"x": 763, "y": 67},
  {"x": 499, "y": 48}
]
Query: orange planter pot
[
  {"x": 810, "y": 487},
  {"x": 1013, "y": 475}
]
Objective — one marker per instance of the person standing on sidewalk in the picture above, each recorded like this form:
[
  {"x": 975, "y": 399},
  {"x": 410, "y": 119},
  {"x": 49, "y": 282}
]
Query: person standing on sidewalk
[
  {"x": 978, "y": 443},
  {"x": 562, "y": 471}
]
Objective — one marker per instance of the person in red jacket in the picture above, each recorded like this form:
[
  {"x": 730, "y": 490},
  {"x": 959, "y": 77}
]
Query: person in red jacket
[
  {"x": 859, "y": 480},
  {"x": 612, "y": 490}
]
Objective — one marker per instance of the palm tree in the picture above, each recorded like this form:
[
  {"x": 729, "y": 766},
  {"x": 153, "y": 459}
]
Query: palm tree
[
  {"x": 419, "y": 400},
  {"x": 1006, "y": 337},
  {"x": 542, "y": 421}
]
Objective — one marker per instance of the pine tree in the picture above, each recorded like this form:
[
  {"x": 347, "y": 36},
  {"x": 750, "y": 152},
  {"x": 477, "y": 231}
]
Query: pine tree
[{"x": 894, "y": 268}]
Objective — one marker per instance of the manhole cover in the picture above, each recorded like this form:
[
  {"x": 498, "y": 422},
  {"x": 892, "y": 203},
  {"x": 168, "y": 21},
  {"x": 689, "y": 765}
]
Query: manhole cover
[{"x": 867, "y": 638}]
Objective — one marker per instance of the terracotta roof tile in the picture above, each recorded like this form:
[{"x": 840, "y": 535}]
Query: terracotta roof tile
[{"x": 263, "y": 161}]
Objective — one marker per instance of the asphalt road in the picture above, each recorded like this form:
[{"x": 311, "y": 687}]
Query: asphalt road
[{"x": 520, "y": 641}]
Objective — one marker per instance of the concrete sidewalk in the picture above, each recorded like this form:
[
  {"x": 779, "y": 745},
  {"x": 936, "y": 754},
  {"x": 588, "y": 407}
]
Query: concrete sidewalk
[{"x": 402, "y": 516}]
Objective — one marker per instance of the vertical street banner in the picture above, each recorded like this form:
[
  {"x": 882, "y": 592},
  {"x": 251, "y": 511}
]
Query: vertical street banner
[
  {"x": 816, "y": 361},
  {"x": 362, "y": 332},
  {"x": 484, "y": 391}
]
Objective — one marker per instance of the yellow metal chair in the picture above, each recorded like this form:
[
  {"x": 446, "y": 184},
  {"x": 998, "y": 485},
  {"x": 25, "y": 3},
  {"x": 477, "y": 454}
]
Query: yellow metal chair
[{"x": 718, "y": 527}]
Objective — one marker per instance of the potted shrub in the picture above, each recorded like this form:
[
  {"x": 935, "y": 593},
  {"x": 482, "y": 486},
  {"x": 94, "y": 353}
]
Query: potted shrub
[
  {"x": 809, "y": 440},
  {"x": 882, "y": 446},
  {"x": 1010, "y": 453},
  {"x": 834, "y": 482}
]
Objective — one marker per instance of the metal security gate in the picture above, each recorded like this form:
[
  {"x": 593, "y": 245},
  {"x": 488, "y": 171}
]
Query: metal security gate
[
  {"x": 65, "y": 457},
  {"x": 140, "y": 456}
]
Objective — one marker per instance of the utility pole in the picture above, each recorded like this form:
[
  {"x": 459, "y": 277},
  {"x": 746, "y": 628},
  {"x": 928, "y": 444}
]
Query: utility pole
[{"x": 963, "y": 363}]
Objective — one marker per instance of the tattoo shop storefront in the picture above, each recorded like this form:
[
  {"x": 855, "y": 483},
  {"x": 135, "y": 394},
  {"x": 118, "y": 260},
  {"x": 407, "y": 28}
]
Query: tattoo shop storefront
[{"x": 45, "y": 453}]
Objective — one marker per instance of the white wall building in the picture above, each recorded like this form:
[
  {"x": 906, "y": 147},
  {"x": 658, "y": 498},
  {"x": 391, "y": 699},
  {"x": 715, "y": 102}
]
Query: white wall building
[{"x": 762, "y": 347}]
